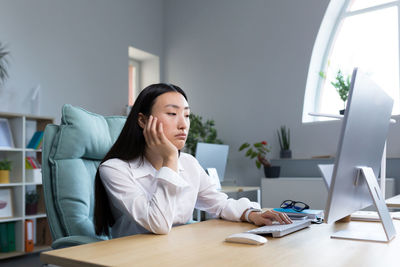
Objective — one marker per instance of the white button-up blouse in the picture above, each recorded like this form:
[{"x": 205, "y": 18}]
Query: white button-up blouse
[{"x": 144, "y": 200}]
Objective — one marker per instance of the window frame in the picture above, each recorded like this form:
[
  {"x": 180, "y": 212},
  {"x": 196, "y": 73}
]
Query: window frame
[
  {"x": 333, "y": 18},
  {"x": 138, "y": 66}
]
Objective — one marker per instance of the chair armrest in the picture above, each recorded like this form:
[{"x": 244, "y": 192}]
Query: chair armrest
[{"x": 74, "y": 240}]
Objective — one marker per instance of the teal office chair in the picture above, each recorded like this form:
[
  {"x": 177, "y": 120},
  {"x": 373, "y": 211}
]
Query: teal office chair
[{"x": 72, "y": 152}]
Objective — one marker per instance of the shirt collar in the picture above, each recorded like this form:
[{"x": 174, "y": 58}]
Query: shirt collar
[{"x": 145, "y": 168}]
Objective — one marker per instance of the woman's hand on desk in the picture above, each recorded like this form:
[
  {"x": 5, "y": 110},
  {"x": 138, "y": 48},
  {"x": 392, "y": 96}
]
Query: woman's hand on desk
[{"x": 268, "y": 217}]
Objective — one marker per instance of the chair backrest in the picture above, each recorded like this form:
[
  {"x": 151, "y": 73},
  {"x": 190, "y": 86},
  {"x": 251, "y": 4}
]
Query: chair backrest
[{"x": 72, "y": 152}]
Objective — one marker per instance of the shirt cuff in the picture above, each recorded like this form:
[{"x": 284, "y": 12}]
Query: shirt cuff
[
  {"x": 234, "y": 209},
  {"x": 245, "y": 205},
  {"x": 171, "y": 177}
]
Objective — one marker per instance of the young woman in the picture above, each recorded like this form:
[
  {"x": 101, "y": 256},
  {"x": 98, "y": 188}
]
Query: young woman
[{"x": 145, "y": 184}]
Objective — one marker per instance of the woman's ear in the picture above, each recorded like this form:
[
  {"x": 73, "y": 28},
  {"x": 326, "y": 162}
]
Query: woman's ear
[{"x": 142, "y": 120}]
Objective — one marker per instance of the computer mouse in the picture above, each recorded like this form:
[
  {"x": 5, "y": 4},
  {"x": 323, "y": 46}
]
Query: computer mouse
[{"x": 246, "y": 238}]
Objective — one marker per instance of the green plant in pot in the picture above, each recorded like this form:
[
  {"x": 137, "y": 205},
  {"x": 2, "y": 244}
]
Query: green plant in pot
[
  {"x": 342, "y": 86},
  {"x": 284, "y": 142},
  {"x": 3, "y": 64},
  {"x": 31, "y": 202},
  {"x": 200, "y": 132},
  {"x": 259, "y": 151},
  {"x": 5, "y": 168}
]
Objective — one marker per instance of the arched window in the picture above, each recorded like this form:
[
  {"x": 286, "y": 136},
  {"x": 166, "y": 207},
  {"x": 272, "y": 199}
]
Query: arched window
[{"x": 353, "y": 33}]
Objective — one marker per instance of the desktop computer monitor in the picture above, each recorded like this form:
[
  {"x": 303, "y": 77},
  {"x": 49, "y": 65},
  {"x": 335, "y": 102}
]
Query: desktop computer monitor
[
  {"x": 363, "y": 135},
  {"x": 213, "y": 156}
]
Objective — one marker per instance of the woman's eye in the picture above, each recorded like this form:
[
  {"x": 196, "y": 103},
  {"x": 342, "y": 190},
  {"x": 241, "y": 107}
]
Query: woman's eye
[
  {"x": 171, "y": 113},
  {"x": 187, "y": 116}
]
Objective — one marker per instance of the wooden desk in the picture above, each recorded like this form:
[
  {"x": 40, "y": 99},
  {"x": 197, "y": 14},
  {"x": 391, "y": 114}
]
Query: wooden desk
[
  {"x": 393, "y": 202},
  {"x": 202, "y": 244}
]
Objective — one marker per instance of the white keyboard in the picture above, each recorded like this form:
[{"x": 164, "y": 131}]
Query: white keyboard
[{"x": 278, "y": 230}]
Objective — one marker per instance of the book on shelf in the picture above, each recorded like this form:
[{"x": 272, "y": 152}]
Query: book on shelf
[
  {"x": 28, "y": 236},
  {"x": 311, "y": 214},
  {"x": 7, "y": 237},
  {"x": 32, "y": 163},
  {"x": 36, "y": 140},
  {"x": 41, "y": 205},
  {"x": 3, "y": 237},
  {"x": 11, "y": 236},
  {"x": 28, "y": 165},
  {"x": 43, "y": 235}
]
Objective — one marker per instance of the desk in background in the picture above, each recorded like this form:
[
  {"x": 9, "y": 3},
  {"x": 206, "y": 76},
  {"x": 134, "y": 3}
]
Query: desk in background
[
  {"x": 311, "y": 190},
  {"x": 235, "y": 189},
  {"x": 202, "y": 244},
  {"x": 238, "y": 189},
  {"x": 393, "y": 202}
]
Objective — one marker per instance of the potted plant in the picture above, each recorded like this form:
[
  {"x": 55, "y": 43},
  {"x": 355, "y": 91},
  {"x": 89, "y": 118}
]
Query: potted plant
[
  {"x": 284, "y": 142},
  {"x": 5, "y": 168},
  {"x": 259, "y": 151},
  {"x": 3, "y": 64},
  {"x": 200, "y": 132},
  {"x": 342, "y": 86},
  {"x": 31, "y": 202}
]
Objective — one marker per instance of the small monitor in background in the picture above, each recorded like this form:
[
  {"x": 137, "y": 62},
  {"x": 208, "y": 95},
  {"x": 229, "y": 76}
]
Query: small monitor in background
[{"x": 213, "y": 156}]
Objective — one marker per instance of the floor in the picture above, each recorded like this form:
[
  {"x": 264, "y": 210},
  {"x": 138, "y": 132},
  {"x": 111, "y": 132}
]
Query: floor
[{"x": 31, "y": 260}]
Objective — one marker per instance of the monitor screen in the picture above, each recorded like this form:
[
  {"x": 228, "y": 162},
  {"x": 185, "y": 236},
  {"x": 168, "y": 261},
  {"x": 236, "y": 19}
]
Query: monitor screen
[
  {"x": 213, "y": 156},
  {"x": 364, "y": 130}
]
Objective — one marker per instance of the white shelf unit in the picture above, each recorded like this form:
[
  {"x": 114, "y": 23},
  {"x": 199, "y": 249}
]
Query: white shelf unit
[{"x": 22, "y": 129}]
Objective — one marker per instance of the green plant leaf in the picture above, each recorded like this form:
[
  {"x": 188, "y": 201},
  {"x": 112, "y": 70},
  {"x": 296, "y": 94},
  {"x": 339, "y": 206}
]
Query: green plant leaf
[
  {"x": 243, "y": 146},
  {"x": 257, "y": 145},
  {"x": 341, "y": 85},
  {"x": 31, "y": 197},
  {"x": 5, "y": 165},
  {"x": 284, "y": 137},
  {"x": 200, "y": 132},
  {"x": 249, "y": 152},
  {"x": 258, "y": 164},
  {"x": 3, "y": 64}
]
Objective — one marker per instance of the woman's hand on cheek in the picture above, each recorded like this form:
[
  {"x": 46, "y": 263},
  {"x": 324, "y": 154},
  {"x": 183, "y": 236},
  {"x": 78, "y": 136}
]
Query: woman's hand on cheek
[{"x": 157, "y": 142}]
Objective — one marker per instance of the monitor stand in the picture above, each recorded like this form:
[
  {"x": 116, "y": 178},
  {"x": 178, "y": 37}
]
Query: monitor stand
[{"x": 368, "y": 174}]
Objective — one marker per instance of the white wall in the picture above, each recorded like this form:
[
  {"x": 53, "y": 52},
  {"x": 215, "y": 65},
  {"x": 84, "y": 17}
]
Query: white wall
[
  {"x": 244, "y": 64},
  {"x": 77, "y": 50},
  {"x": 150, "y": 71}
]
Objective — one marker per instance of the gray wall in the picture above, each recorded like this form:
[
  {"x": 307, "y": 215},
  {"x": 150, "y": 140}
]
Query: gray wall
[
  {"x": 244, "y": 64},
  {"x": 77, "y": 50}
]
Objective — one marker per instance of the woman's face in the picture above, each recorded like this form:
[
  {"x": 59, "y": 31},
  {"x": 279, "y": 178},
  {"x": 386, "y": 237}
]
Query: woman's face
[{"x": 173, "y": 111}]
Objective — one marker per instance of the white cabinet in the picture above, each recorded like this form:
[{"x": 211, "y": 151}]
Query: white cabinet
[
  {"x": 22, "y": 128},
  {"x": 310, "y": 190}
]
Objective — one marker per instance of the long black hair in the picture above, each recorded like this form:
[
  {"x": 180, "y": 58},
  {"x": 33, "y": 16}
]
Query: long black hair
[{"x": 130, "y": 145}]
